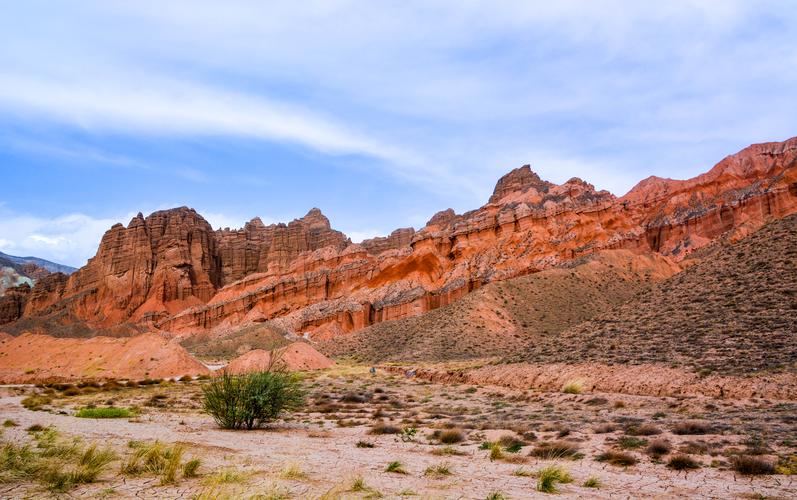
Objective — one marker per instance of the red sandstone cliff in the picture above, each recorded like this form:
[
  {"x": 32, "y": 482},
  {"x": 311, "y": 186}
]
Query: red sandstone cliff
[{"x": 171, "y": 271}]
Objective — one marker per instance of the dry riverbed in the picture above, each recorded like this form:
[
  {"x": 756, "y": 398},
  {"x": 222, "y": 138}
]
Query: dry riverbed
[{"x": 463, "y": 442}]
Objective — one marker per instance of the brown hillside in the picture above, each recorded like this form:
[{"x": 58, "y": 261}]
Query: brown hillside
[
  {"x": 734, "y": 312},
  {"x": 229, "y": 343},
  {"x": 504, "y": 317},
  {"x": 296, "y": 356}
]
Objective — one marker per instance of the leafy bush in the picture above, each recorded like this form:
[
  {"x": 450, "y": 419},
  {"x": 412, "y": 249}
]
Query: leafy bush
[{"x": 251, "y": 400}]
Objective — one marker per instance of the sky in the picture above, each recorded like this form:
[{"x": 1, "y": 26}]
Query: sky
[{"x": 378, "y": 113}]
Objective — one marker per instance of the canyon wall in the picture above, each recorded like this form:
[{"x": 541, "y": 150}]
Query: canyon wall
[{"x": 172, "y": 272}]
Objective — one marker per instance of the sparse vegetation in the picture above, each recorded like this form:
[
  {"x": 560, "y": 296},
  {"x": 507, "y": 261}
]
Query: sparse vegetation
[
  {"x": 573, "y": 387},
  {"x": 752, "y": 465},
  {"x": 691, "y": 428},
  {"x": 554, "y": 450},
  {"x": 110, "y": 412},
  {"x": 549, "y": 477},
  {"x": 682, "y": 462},
  {"x": 619, "y": 458},
  {"x": 438, "y": 470},
  {"x": 592, "y": 482},
  {"x": 658, "y": 447},
  {"x": 395, "y": 467}
]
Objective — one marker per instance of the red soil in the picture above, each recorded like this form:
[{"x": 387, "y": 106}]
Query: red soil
[
  {"x": 33, "y": 358},
  {"x": 297, "y": 356}
]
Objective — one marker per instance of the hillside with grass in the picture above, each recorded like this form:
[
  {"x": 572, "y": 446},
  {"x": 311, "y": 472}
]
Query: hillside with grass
[
  {"x": 733, "y": 312},
  {"x": 509, "y": 315}
]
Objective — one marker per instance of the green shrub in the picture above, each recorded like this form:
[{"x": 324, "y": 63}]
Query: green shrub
[
  {"x": 191, "y": 467},
  {"x": 251, "y": 400},
  {"x": 548, "y": 477},
  {"x": 110, "y": 412},
  {"x": 395, "y": 467}
]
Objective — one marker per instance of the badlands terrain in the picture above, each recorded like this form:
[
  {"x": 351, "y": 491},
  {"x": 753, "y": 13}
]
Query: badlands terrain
[{"x": 637, "y": 346}]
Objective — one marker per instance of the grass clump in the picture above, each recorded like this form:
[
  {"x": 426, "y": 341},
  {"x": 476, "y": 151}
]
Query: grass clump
[
  {"x": 592, "y": 482},
  {"x": 447, "y": 451},
  {"x": 691, "y": 428},
  {"x": 451, "y": 436},
  {"x": 365, "y": 444},
  {"x": 631, "y": 442},
  {"x": 109, "y": 412},
  {"x": 191, "y": 467},
  {"x": 658, "y": 447},
  {"x": 554, "y": 450},
  {"x": 36, "y": 402},
  {"x": 395, "y": 467},
  {"x": 618, "y": 458},
  {"x": 438, "y": 471},
  {"x": 250, "y": 400},
  {"x": 573, "y": 387},
  {"x": 10, "y": 423},
  {"x": 382, "y": 428},
  {"x": 57, "y": 464},
  {"x": 549, "y": 477},
  {"x": 497, "y": 495},
  {"x": 225, "y": 476},
  {"x": 160, "y": 460},
  {"x": 293, "y": 472},
  {"x": 683, "y": 462},
  {"x": 750, "y": 465}
]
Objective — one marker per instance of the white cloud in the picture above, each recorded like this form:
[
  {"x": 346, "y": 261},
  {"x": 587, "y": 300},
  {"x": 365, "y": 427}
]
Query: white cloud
[{"x": 366, "y": 234}]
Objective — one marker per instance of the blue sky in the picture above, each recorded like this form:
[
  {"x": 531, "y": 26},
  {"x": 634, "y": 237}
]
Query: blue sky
[{"x": 379, "y": 113}]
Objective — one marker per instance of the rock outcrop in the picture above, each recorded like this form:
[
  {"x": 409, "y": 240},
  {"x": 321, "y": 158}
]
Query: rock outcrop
[{"x": 172, "y": 272}]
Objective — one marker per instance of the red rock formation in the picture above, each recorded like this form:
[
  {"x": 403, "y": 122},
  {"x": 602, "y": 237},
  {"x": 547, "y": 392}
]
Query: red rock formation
[
  {"x": 173, "y": 272},
  {"x": 12, "y": 303}
]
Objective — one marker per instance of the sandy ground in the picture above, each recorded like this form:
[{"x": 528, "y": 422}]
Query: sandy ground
[{"x": 345, "y": 403}]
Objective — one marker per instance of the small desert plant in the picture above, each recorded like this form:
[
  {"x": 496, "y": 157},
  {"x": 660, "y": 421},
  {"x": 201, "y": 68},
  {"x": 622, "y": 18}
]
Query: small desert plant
[
  {"x": 382, "y": 428},
  {"x": 548, "y": 477},
  {"x": 395, "y": 467},
  {"x": 618, "y": 458},
  {"x": 446, "y": 451},
  {"x": 497, "y": 495},
  {"x": 511, "y": 443},
  {"x": 643, "y": 430},
  {"x": 253, "y": 399},
  {"x": 631, "y": 442},
  {"x": 293, "y": 472},
  {"x": 682, "y": 462},
  {"x": 691, "y": 428},
  {"x": 35, "y": 428},
  {"x": 225, "y": 476},
  {"x": 658, "y": 447},
  {"x": 451, "y": 436},
  {"x": 111, "y": 412},
  {"x": 752, "y": 465},
  {"x": 604, "y": 428},
  {"x": 36, "y": 402},
  {"x": 364, "y": 444},
  {"x": 554, "y": 450},
  {"x": 408, "y": 434},
  {"x": 521, "y": 472},
  {"x": 496, "y": 452},
  {"x": 191, "y": 467},
  {"x": 10, "y": 423},
  {"x": 438, "y": 471},
  {"x": 592, "y": 482},
  {"x": 573, "y": 387}
]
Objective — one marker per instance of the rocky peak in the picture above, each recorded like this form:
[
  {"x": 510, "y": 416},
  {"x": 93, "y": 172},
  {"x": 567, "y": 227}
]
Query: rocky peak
[{"x": 519, "y": 180}]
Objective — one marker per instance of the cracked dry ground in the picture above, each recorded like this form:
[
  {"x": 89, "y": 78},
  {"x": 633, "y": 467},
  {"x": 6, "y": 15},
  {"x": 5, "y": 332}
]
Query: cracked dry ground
[{"x": 315, "y": 452}]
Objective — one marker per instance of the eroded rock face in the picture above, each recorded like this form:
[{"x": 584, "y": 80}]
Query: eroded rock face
[
  {"x": 12, "y": 303},
  {"x": 173, "y": 272}
]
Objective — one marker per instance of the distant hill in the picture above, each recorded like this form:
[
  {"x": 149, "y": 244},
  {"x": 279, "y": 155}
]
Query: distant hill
[{"x": 53, "y": 267}]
